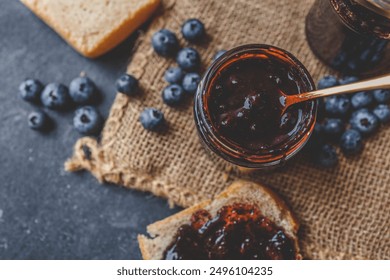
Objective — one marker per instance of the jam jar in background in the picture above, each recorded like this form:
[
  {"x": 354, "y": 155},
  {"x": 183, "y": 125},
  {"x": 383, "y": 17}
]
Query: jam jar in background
[
  {"x": 236, "y": 107},
  {"x": 351, "y": 36}
]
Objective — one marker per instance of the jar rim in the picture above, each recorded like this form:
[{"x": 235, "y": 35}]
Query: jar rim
[{"x": 235, "y": 153}]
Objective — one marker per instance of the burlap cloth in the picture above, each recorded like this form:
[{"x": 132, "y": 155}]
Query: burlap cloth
[{"x": 344, "y": 212}]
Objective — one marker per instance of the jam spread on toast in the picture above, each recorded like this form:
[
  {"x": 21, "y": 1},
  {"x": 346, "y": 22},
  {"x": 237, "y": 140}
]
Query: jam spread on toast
[{"x": 238, "y": 231}]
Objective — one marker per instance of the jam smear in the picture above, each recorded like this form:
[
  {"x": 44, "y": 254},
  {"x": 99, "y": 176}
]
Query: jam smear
[
  {"x": 238, "y": 231},
  {"x": 245, "y": 105}
]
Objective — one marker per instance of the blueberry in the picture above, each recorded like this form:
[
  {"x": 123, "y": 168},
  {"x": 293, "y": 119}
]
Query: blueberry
[
  {"x": 82, "y": 90},
  {"x": 190, "y": 82},
  {"x": 376, "y": 58},
  {"x": 127, "y": 84},
  {"x": 348, "y": 80},
  {"x": 361, "y": 99},
  {"x": 152, "y": 119},
  {"x": 327, "y": 156},
  {"x": 174, "y": 75},
  {"x": 351, "y": 142},
  {"x": 87, "y": 120},
  {"x": 333, "y": 128},
  {"x": 165, "y": 43},
  {"x": 340, "y": 60},
  {"x": 364, "y": 121},
  {"x": 382, "y": 111},
  {"x": 30, "y": 90},
  {"x": 55, "y": 96},
  {"x": 353, "y": 66},
  {"x": 337, "y": 105},
  {"x": 327, "y": 81},
  {"x": 382, "y": 95},
  {"x": 38, "y": 120},
  {"x": 218, "y": 54},
  {"x": 173, "y": 95},
  {"x": 193, "y": 30},
  {"x": 188, "y": 59}
]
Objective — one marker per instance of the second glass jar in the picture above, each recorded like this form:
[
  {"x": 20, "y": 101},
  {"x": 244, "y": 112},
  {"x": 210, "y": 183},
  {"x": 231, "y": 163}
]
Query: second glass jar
[{"x": 351, "y": 36}]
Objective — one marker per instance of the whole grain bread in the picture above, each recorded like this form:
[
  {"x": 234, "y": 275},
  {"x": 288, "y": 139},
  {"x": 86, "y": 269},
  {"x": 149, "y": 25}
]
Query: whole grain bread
[
  {"x": 273, "y": 207},
  {"x": 93, "y": 27}
]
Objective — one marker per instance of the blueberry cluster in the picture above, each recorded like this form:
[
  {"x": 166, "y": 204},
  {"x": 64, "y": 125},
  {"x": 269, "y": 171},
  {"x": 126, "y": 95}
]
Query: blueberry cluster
[
  {"x": 357, "y": 54},
  {"x": 346, "y": 120},
  {"x": 183, "y": 80},
  {"x": 82, "y": 92}
]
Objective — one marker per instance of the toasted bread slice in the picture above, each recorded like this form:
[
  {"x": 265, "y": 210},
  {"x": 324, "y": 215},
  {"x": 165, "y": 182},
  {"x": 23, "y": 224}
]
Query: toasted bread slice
[
  {"x": 93, "y": 27},
  {"x": 271, "y": 206}
]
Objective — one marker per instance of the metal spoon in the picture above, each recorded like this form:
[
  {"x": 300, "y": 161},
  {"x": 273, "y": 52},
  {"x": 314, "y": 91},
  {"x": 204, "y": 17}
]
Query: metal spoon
[{"x": 382, "y": 82}]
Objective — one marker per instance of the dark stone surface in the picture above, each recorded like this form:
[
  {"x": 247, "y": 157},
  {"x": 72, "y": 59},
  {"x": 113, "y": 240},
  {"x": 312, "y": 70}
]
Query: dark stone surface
[{"x": 46, "y": 213}]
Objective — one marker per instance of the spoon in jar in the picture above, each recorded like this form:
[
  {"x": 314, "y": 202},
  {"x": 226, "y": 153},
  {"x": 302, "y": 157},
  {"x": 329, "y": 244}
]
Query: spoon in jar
[{"x": 382, "y": 82}]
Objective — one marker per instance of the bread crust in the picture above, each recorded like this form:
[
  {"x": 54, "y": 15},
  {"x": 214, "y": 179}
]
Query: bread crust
[
  {"x": 238, "y": 191},
  {"x": 105, "y": 43}
]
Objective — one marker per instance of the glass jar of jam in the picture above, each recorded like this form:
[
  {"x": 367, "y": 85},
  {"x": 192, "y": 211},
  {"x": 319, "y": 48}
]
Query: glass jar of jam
[
  {"x": 237, "y": 106},
  {"x": 351, "y": 35}
]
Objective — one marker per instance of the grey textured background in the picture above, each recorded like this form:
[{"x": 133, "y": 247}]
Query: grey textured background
[{"x": 46, "y": 213}]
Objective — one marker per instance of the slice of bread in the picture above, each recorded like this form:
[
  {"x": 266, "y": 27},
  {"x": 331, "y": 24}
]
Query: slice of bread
[
  {"x": 93, "y": 27},
  {"x": 271, "y": 206}
]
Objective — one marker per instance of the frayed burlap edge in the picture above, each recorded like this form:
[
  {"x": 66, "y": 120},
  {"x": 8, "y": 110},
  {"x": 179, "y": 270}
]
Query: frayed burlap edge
[{"x": 88, "y": 155}]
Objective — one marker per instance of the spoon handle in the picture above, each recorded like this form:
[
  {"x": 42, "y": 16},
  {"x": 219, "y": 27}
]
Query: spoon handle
[{"x": 382, "y": 82}]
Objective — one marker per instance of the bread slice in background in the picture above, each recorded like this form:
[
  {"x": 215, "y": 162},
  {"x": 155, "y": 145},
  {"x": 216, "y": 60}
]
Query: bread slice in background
[
  {"x": 271, "y": 206},
  {"x": 93, "y": 27}
]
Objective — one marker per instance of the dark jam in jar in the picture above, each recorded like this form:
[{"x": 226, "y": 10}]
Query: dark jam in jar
[
  {"x": 351, "y": 36},
  {"x": 238, "y": 231},
  {"x": 244, "y": 102},
  {"x": 238, "y": 107}
]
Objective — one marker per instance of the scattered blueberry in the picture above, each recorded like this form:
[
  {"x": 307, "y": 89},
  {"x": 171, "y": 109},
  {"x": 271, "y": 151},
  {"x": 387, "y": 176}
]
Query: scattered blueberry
[
  {"x": 340, "y": 60},
  {"x": 351, "y": 142},
  {"x": 127, "y": 84},
  {"x": 327, "y": 81},
  {"x": 364, "y": 121},
  {"x": 361, "y": 99},
  {"x": 382, "y": 111},
  {"x": 82, "y": 90},
  {"x": 382, "y": 95},
  {"x": 337, "y": 105},
  {"x": 37, "y": 120},
  {"x": 87, "y": 120},
  {"x": 55, "y": 96},
  {"x": 376, "y": 58},
  {"x": 173, "y": 95},
  {"x": 188, "y": 59},
  {"x": 348, "y": 80},
  {"x": 190, "y": 82},
  {"x": 193, "y": 30},
  {"x": 174, "y": 75},
  {"x": 353, "y": 65},
  {"x": 218, "y": 54},
  {"x": 30, "y": 90},
  {"x": 327, "y": 156},
  {"x": 165, "y": 43},
  {"x": 152, "y": 119},
  {"x": 333, "y": 128}
]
